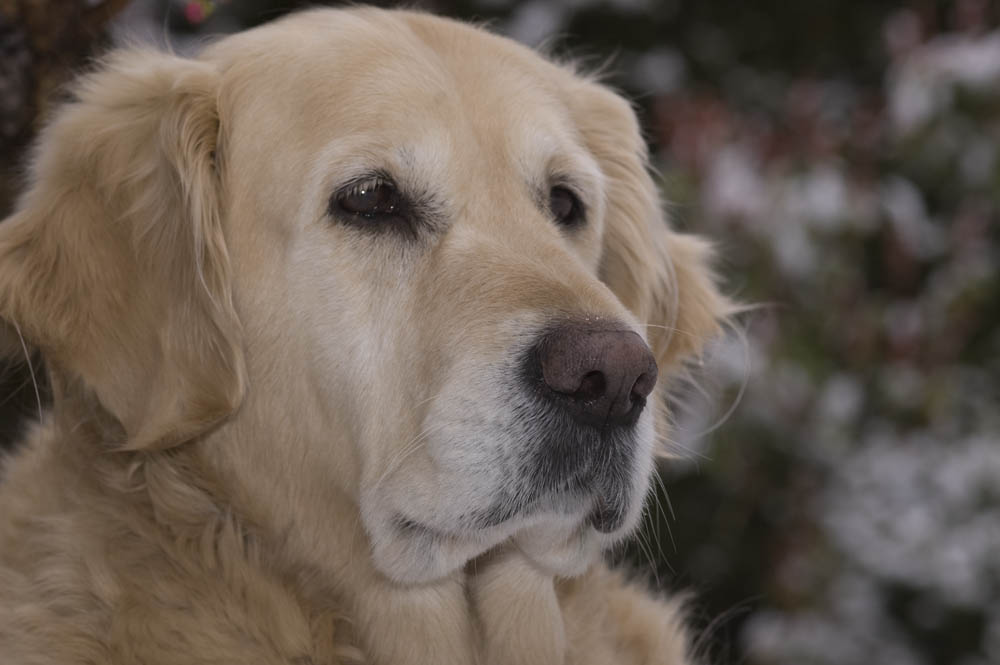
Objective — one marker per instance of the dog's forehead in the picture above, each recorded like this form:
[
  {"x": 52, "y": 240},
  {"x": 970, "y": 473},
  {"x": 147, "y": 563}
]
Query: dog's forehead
[{"x": 336, "y": 73}]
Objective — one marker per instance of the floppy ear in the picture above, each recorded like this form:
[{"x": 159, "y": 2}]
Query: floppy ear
[
  {"x": 661, "y": 276},
  {"x": 115, "y": 264}
]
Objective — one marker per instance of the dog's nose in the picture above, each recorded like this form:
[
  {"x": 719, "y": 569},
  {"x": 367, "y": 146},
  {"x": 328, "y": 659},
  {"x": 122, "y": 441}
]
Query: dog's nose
[{"x": 603, "y": 376}]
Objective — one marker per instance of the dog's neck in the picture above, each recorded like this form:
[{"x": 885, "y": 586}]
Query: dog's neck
[{"x": 498, "y": 609}]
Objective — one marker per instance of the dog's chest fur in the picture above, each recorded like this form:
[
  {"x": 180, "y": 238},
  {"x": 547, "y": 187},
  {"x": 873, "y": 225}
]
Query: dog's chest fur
[{"x": 88, "y": 580}]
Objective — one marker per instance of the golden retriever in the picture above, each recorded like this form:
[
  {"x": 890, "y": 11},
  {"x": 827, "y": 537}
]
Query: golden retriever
[{"x": 350, "y": 323}]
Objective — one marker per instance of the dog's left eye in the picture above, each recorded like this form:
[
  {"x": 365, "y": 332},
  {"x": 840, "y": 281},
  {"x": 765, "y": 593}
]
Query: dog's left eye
[
  {"x": 374, "y": 203},
  {"x": 565, "y": 207},
  {"x": 371, "y": 197}
]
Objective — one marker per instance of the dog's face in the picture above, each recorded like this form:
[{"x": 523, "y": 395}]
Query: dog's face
[{"x": 443, "y": 265}]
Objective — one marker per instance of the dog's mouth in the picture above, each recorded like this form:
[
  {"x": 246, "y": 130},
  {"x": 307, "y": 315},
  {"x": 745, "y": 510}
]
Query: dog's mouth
[
  {"x": 560, "y": 524},
  {"x": 607, "y": 517},
  {"x": 584, "y": 493},
  {"x": 576, "y": 499},
  {"x": 560, "y": 533}
]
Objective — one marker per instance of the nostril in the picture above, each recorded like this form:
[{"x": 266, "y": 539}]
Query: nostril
[
  {"x": 592, "y": 387},
  {"x": 643, "y": 386}
]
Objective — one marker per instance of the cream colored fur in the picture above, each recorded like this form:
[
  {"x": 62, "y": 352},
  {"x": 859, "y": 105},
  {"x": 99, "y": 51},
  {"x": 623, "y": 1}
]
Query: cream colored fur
[{"x": 247, "y": 393}]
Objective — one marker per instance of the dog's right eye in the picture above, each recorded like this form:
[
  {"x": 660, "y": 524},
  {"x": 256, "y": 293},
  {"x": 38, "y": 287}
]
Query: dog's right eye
[
  {"x": 374, "y": 204},
  {"x": 565, "y": 207}
]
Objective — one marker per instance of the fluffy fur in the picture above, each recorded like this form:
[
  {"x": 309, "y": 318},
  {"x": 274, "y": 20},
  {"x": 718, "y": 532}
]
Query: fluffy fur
[{"x": 255, "y": 402}]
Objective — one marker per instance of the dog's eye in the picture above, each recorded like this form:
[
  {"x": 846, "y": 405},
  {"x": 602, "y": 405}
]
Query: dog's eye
[
  {"x": 375, "y": 202},
  {"x": 371, "y": 198},
  {"x": 565, "y": 207}
]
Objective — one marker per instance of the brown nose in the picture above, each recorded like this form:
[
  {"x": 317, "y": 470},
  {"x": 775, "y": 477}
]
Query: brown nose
[{"x": 602, "y": 376}]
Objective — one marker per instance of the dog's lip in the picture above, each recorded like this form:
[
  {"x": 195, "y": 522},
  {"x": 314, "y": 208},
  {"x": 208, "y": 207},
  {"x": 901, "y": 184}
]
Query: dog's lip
[
  {"x": 413, "y": 528},
  {"x": 594, "y": 511},
  {"x": 605, "y": 517},
  {"x": 410, "y": 527}
]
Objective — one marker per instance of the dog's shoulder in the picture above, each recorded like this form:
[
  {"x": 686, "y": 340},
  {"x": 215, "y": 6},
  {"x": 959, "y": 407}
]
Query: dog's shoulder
[
  {"x": 90, "y": 579},
  {"x": 51, "y": 608}
]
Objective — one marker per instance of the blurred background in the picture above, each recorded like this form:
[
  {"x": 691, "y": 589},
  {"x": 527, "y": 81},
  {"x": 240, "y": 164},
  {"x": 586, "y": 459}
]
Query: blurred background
[{"x": 834, "y": 494}]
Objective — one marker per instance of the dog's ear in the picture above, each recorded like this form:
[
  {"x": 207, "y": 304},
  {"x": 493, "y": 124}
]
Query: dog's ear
[
  {"x": 115, "y": 263},
  {"x": 661, "y": 276}
]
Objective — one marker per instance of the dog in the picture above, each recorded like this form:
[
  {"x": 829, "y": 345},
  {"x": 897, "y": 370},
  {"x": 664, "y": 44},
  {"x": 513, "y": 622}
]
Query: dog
[{"x": 355, "y": 325}]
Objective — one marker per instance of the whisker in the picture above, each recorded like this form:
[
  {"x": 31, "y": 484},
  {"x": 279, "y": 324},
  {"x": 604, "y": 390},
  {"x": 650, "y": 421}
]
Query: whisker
[
  {"x": 31, "y": 369},
  {"x": 674, "y": 445},
  {"x": 707, "y": 635},
  {"x": 423, "y": 401},
  {"x": 642, "y": 541},
  {"x": 656, "y": 530},
  {"x": 670, "y": 507},
  {"x": 406, "y": 450},
  {"x": 669, "y": 328},
  {"x": 745, "y": 343}
]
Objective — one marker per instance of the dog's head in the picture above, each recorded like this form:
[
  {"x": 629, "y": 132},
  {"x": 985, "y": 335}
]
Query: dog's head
[{"x": 411, "y": 266}]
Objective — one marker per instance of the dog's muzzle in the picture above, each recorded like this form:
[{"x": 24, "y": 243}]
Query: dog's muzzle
[{"x": 590, "y": 382}]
